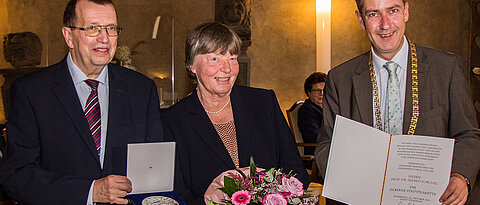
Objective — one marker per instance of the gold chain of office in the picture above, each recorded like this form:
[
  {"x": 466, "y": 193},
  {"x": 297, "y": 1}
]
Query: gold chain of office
[{"x": 415, "y": 105}]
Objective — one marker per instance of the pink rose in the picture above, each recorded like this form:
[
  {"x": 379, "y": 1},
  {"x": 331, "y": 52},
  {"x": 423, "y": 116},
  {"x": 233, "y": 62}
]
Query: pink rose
[
  {"x": 241, "y": 198},
  {"x": 293, "y": 185},
  {"x": 274, "y": 199}
]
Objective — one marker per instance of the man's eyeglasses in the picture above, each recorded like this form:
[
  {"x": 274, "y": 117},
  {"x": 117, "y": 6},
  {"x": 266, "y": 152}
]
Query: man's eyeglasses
[
  {"x": 319, "y": 91},
  {"x": 94, "y": 30}
]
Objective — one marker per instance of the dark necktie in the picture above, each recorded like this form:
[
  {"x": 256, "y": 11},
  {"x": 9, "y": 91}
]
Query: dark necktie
[
  {"x": 393, "y": 123},
  {"x": 92, "y": 112}
]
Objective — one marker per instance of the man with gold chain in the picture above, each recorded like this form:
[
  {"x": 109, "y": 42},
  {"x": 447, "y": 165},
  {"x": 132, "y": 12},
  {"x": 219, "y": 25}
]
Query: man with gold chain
[{"x": 404, "y": 88}]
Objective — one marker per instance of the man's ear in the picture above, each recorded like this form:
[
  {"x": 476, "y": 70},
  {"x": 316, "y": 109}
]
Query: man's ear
[
  {"x": 360, "y": 19},
  {"x": 67, "y": 35},
  {"x": 406, "y": 14}
]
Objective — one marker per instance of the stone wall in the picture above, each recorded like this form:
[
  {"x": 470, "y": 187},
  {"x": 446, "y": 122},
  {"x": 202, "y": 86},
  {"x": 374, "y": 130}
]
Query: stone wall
[{"x": 283, "y": 47}]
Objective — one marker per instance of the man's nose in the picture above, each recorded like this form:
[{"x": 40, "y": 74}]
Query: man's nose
[
  {"x": 385, "y": 22},
  {"x": 103, "y": 36}
]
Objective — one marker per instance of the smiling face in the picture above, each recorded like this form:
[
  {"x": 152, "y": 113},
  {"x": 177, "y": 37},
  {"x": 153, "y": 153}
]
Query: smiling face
[
  {"x": 91, "y": 54},
  {"x": 384, "y": 22},
  {"x": 216, "y": 73}
]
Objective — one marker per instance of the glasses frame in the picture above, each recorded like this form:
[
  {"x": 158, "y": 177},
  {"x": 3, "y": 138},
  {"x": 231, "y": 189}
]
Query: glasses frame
[
  {"x": 84, "y": 28},
  {"x": 319, "y": 91}
]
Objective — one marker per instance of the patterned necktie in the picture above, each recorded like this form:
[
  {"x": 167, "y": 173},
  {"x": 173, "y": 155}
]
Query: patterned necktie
[
  {"x": 393, "y": 109},
  {"x": 92, "y": 112}
]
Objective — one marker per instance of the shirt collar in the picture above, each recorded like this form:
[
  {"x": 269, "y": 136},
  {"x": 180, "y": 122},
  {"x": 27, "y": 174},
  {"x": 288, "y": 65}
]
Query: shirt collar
[
  {"x": 78, "y": 76},
  {"x": 401, "y": 58}
]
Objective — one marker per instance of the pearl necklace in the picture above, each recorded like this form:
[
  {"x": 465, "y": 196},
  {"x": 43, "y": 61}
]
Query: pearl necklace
[{"x": 224, "y": 106}]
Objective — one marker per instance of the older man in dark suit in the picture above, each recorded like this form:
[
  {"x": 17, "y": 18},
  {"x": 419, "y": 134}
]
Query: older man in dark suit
[
  {"x": 70, "y": 123},
  {"x": 404, "y": 88}
]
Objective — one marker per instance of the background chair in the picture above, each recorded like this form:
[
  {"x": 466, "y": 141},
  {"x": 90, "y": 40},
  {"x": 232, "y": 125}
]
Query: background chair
[
  {"x": 292, "y": 117},
  {"x": 3, "y": 140}
]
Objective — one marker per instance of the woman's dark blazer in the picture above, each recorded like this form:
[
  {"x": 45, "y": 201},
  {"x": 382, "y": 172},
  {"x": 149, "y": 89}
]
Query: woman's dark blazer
[{"x": 262, "y": 132}]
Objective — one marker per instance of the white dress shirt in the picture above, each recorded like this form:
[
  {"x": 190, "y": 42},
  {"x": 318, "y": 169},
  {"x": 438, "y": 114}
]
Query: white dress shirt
[
  {"x": 381, "y": 73},
  {"x": 83, "y": 91}
]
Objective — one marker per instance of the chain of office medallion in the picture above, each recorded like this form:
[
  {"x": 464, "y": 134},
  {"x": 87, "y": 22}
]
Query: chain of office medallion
[{"x": 415, "y": 105}]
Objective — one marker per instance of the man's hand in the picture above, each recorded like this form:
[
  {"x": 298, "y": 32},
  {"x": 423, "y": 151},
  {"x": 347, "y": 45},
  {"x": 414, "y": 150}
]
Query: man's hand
[
  {"x": 112, "y": 189},
  {"x": 456, "y": 192}
]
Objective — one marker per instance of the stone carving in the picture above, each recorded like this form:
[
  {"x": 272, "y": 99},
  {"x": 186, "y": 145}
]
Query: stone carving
[
  {"x": 236, "y": 14},
  {"x": 22, "y": 49}
]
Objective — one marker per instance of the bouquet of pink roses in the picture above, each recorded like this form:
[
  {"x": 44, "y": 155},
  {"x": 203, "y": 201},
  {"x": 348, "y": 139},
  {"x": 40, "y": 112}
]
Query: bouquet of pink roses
[{"x": 263, "y": 187}]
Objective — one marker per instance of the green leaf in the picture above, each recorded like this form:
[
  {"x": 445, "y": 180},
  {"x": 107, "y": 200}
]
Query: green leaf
[
  {"x": 241, "y": 173},
  {"x": 296, "y": 201},
  {"x": 253, "y": 167},
  {"x": 230, "y": 186},
  {"x": 269, "y": 175},
  {"x": 210, "y": 202}
]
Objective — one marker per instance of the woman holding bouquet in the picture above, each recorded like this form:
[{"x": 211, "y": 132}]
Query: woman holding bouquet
[{"x": 220, "y": 125}]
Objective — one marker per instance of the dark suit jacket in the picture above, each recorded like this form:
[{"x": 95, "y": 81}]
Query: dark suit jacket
[
  {"x": 51, "y": 157},
  {"x": 262, "y": 132},
  {"x": 310, "y": 118},
  {"x": 446, "y": 108}
]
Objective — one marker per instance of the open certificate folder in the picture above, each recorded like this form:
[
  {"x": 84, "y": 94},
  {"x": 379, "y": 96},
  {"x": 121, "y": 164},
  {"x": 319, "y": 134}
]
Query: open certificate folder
[{"x": 369, "y": 166}]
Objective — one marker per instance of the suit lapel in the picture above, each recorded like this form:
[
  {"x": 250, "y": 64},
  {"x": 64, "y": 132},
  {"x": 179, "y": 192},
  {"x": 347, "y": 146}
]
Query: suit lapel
[
  {"x": 204, "y": 127},
  {"x": 242, "y": 114},
  {"x": 422, "y": 70},
  {"x": 66, "y": 94},
  {"x": 362, "y": 87}
]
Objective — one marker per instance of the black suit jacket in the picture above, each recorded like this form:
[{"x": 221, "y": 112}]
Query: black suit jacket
[
  {"x": 51, "y": 157},
  {"x": 446, "y": 108},
  {"x": 262, "y": 132}
]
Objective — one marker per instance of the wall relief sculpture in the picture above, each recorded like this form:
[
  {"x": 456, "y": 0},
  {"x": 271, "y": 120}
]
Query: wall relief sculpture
[
  {"x": 22, "y": 49},
  {"x": 236, "y": 14}
]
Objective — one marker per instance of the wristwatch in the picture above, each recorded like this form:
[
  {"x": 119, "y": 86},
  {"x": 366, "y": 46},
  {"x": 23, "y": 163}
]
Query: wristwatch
[{"x": 468, "y": 185}]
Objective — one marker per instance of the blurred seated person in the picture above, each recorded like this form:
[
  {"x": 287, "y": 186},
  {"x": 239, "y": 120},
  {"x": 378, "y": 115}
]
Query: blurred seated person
[
  {"x": 310, "y": 114},
  {"x": 220, "y": 125}
]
